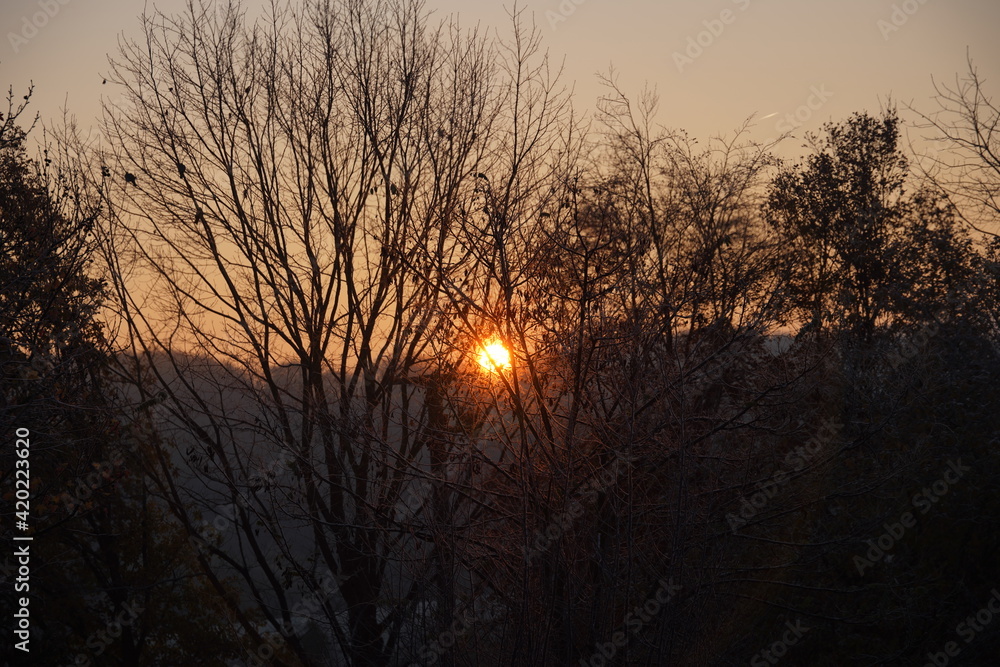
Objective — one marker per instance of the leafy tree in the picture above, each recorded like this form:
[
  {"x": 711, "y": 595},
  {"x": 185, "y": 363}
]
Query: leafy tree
[
  {"x": 48, "y": 300},
  {"x": 862, "y": 251},
  {"x": 314, "y": 224},
  {"x": 112, "y": 578},
  {"x": 841, "y": 212}
]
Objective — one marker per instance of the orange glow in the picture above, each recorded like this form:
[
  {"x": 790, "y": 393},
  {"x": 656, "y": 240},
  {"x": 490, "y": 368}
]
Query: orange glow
[{"x": 494, "y": 357}]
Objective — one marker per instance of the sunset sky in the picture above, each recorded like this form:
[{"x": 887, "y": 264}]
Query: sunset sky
[
  {"x": 343, "y": 340},
  {"x": 756, "y": 56}
]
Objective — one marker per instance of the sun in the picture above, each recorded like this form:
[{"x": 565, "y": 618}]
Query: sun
[{"x": 494, "y": 357}]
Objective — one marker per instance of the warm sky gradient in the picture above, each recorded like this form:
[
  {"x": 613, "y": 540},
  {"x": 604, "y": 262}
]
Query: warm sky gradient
[{"x": 767, "y": 60}]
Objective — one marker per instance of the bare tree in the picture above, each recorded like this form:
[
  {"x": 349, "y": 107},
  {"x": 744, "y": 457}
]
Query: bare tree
[
  {"x": 318, "y": 223},
  {"x": 593, "y": 282},
  {"x": 967, "y": 125},
  {"x": 283, "y": 197}
]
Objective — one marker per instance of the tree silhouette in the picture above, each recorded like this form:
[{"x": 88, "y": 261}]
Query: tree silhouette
[
  {"x": 103, "y": 549},
  {"x": 718, "y": 370},
  {"x": 966, "y": 126}
]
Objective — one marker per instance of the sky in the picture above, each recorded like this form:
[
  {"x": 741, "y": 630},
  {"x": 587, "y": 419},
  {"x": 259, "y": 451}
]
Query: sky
[{"x": 794, "y": 63}]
